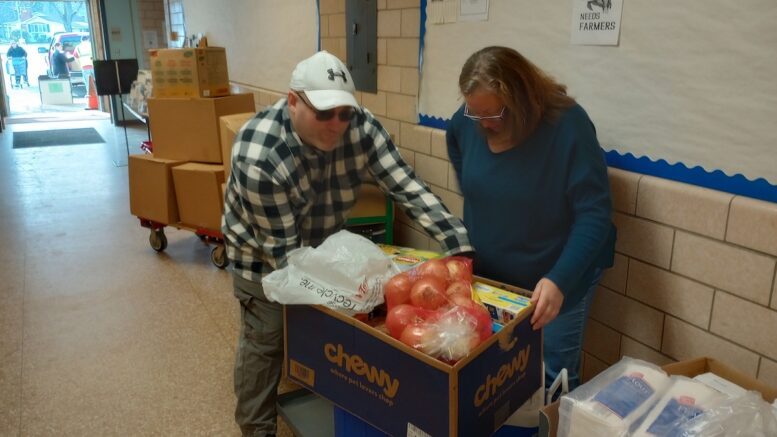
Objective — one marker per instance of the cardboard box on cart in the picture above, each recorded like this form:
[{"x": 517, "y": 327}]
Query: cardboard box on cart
[
  {"x": 199, "y": 193},
  {"x": 151, "y": 190},
  {"x": 549, "y": 415},
  {"x": 189, "y": 128},
  {"x": 400, "y": 390},
  {"x": 189, "y": 72},
  {"x": 229, "y": 127}
]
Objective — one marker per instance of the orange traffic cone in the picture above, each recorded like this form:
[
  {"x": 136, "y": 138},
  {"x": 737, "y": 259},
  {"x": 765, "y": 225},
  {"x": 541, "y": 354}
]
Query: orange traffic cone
[{"x": 92, "y": 96}]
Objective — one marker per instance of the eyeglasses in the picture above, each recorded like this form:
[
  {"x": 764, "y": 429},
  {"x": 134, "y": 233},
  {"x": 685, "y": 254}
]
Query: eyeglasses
[
  {"x": 345, "y": 114},
  {"x": 484, "y": 117}
]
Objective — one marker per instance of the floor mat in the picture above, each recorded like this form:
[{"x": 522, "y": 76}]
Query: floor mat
[{"x": 56, "y": 137}]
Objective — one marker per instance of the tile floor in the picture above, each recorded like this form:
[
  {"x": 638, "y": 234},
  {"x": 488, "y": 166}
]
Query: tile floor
[{"x": 99, "y": 335}]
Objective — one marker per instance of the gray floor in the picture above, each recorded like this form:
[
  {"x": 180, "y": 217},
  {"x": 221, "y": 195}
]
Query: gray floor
[{"x": 99, "y": 335}]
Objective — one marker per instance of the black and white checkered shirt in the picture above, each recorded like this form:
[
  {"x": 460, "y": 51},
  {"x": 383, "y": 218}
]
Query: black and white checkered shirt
[{"x": 282, "y": 194}]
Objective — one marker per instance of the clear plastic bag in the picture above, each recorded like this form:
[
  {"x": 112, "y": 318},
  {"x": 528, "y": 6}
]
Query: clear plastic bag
[
  {"x": 612, "y": 403},
  {"x": 446, "y": 335},
  {"x": 746, "y": 415},
  {"x": 346, "y": 272},
  {"x": 683, "y": 400}
]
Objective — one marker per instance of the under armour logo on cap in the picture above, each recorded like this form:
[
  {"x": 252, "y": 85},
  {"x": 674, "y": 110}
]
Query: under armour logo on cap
[
  {"x": 332, "y": 75},
  {"x": 317, "y": 77}
]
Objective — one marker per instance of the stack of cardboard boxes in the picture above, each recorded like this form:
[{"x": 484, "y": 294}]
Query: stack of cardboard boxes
[{"x": 182, "y": 183}]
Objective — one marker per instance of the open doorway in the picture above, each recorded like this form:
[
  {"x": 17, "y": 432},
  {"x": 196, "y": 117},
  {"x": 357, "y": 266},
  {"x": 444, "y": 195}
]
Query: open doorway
[{"x": 46, "y": 51}]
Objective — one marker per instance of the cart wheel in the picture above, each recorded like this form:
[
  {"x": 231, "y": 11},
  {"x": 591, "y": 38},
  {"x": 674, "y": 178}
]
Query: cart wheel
[
  {"x": 157, "y": 239},
  {"x": 219, "y": 256}
]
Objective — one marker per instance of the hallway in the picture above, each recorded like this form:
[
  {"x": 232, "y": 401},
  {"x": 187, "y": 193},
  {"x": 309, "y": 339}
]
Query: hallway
[{"x": 99, "y": 335}]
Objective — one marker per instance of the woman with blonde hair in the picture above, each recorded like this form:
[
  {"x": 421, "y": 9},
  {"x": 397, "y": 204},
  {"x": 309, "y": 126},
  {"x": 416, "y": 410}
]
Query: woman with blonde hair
[{"x": 536, "y": 194}]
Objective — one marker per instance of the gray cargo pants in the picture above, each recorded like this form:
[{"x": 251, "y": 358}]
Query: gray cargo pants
[{"x": 259, "y": 359}]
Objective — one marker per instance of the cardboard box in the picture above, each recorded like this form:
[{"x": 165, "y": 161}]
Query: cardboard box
[
  {"x": 370, "y": 203},
  {"x": 200, "y": 199},
  {"x": 690, "y": 368},
  {"x": 229, "y": 126},
  {"x": 189, "y": 72},
  {"x": 406, "y": 258},
  {"x": 399, "y": 390},
  {"x": 501, "y": 304},
  {"x": 189, "y": 129},
  {"x": 152, "y": 195}
]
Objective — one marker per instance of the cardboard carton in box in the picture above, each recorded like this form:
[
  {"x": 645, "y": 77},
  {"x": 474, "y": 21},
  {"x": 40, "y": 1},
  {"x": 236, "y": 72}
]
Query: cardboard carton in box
[
  {"x": 189, "y": 129},
  {"x": 549, "y": 417},
  {"x": 198, "y": 189},
  {"x": 402, "y": 391},
  {"x": 152, "y": 195},
  {"x": 189, "y": 72},
  {"x": 230, "y": 125},
  {"x": 406, "y": 258}
]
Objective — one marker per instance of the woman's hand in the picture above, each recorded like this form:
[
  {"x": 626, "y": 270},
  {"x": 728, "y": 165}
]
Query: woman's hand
[{"x": 547, "y": 298}]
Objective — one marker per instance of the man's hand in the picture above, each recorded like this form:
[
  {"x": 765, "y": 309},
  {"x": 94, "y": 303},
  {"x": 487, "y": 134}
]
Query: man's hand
[{"x": 547, "y": 298}]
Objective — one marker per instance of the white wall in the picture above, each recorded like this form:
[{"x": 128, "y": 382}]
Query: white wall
[
  {"x": 264, "y": 39},
  {"x": 691, "y": 82}
]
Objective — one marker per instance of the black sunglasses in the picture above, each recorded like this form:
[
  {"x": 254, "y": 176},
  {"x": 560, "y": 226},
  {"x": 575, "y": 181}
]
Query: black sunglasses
[{"x": 345, "y": 114}]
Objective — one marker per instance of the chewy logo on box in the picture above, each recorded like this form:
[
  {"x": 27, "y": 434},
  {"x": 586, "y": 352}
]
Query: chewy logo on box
[{"x": 503, "y": 305}]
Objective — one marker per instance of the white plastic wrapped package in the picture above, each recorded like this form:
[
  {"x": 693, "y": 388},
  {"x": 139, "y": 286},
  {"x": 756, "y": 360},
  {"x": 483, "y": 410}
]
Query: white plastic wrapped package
[
  {"x": 612, "y": 403},
  {"x": 682, "y": 401},
  {"x": 747, "y": 415},
  {"x": 346, "y": 272}
]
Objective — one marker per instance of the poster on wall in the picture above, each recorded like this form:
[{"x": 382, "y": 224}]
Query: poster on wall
[
  {"x": 596, "y": 22},
  {"x": 473, "y": 10}
]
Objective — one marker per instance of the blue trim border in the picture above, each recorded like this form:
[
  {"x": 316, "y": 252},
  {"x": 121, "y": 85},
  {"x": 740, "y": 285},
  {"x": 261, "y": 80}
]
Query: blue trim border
[{"x": 717, "y": 180}]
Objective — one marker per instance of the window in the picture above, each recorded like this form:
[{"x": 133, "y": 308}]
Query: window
[
  {"x": 38, "y": 28},
  {"x": 175, "y": 23}
]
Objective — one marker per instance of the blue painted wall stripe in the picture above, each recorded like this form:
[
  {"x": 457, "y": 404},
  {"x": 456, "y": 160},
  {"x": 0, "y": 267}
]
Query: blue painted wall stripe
[{"x": 716, "y": 180}]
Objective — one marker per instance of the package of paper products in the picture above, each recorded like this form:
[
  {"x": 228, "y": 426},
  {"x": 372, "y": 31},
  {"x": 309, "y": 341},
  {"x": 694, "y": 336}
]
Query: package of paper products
[
  {"x": 746, "y": 415},
  {"x": 682, "y": 401},
  {"x": 612, "y": 403}
]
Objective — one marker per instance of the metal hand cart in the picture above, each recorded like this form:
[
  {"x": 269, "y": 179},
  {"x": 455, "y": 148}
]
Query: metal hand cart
[{"x": 158, "y": 240}]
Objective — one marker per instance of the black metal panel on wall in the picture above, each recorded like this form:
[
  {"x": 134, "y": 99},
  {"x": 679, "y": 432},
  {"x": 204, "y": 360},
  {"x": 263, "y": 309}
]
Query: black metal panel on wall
[{"x": 361, "y": 20}]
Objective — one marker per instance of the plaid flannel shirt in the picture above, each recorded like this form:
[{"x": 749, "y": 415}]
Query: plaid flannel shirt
[{"x": 282, "y": 194}]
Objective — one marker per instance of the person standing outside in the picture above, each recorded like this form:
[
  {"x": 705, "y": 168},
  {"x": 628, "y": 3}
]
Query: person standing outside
[
  {"x": 83, "y": 53},
  {"x": 536, "y": 194},
  {"x": 18, "y": 59},
  {"x": 296, "y": 171},
  {"x": 59, "y": 61}
]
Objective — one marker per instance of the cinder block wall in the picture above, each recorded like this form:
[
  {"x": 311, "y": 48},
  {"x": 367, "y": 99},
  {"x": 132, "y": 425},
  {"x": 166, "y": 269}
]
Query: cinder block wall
[
  {"x": 695, "y": 268},
  {"x": 694, "y": 275}
]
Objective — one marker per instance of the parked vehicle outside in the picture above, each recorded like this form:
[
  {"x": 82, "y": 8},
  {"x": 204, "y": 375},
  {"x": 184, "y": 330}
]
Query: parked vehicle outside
[{"x": 69, "y": 41}]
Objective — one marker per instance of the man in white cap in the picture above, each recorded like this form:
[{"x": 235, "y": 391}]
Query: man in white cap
[{"x": 296, "y": 171}]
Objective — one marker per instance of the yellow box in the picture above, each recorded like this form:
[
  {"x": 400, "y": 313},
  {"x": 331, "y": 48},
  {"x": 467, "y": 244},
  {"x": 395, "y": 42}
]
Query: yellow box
[
  {"x": 503, "y": 305},
  {"x": 406, "y": 258},
  {"x": 200, "y": 199},
  {"x": 151, "y": 191},
  {"x": 189, "y": 72},
  {"x": 230, "y": 125}
]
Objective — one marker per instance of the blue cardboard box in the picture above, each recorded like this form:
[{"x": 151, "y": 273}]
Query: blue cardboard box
[{"x": 404, "y": 392}]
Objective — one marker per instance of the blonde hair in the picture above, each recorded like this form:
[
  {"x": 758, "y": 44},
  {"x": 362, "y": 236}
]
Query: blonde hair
[{"x": 529, "y": 94}]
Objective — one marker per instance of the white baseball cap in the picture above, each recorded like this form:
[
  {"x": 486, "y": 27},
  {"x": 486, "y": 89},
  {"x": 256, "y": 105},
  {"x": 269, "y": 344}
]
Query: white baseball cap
[{"x": 326, "y": 81}]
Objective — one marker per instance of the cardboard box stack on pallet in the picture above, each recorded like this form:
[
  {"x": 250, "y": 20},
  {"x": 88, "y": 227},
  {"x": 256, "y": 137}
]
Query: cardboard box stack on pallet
[{"x": 183, "y": 182}]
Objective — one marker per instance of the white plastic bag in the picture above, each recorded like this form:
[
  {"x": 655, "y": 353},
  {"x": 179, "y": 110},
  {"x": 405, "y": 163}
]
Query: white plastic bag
[{"x": 346, "y": 272}]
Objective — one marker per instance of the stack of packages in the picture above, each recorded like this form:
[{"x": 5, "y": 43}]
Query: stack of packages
[
  {"x": 636, "y": 398},
  {"x": 140, "y": 92},
  {"x": 193, "y": 120}
]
